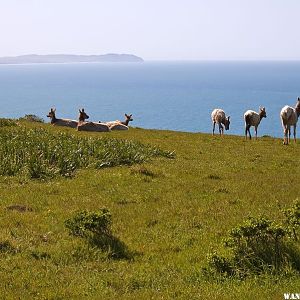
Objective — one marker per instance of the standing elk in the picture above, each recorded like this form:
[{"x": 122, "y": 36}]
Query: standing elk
[
  {"x": 253, "y": 118},
  {"x": 218, "y": 117},
  {"x": 289, "y": 117}
]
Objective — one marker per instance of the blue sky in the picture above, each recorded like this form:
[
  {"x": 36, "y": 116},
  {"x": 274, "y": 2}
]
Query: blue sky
[{"x": 153, "y": 29}]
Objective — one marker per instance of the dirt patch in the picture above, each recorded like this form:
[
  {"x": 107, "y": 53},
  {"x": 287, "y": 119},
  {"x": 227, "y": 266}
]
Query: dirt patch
[{"x": 19, "y": 208}]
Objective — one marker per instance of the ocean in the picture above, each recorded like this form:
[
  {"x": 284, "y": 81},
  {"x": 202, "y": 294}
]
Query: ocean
[{"x": 160, "y": 95}]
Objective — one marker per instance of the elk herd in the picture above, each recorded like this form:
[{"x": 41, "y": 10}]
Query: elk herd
[
  {"x": 83, "y": 125},
  {"x": 288, "y": 115}
]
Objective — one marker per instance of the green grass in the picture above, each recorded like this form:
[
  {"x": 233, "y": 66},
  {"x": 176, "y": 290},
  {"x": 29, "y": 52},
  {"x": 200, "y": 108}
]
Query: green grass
[
  {"x": 37, "y": 153},
  {"x": 168, "y": 212}
]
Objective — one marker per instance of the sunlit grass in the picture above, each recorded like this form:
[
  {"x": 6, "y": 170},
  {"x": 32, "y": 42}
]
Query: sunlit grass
[
  {"x": 37, "y": 153},
  {"x": 169, "y": 213}
]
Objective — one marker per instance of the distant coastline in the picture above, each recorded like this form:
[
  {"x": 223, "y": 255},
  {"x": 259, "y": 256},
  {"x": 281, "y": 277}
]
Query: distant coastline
[{"x": 69, "y": 58}]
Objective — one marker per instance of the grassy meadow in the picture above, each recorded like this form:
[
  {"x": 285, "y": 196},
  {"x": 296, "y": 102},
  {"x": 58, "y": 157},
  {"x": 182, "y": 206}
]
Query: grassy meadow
[{"x": 173, "y": 197}]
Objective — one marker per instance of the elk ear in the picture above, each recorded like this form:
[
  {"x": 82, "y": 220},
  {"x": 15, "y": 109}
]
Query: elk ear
[
  {"x": 82, "y": 109},
  {"x": 228, "y": 118},
  {"x": 299, "y": 99},
  {"x": 54, "y": 110},
  {"x": 79, "y": 111},
  {"x": 126, "y": 115}
]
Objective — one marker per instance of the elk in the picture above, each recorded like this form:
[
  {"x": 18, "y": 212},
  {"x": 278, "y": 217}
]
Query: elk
[
  {"x": 90, "y": 126},
  {"x": 61, "y": 122},
  {"x": 253, "y": 118},
  {"x": 120, "y": 125},
  {"x": 218, "y": 116},
  {"x": 82, "y": 115},
  {"x": 289, "y": 117}
]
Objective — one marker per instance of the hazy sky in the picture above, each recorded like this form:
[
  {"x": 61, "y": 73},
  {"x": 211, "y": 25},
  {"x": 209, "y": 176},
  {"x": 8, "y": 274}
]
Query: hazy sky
[{"x": 153, "y": 29}]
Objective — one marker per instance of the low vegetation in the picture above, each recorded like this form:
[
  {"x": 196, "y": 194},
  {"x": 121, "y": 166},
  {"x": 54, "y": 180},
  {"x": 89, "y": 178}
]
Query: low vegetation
[
  {"x": 95, "y": 228},
  {"x": 32, "y": 118},
  {"x": 37, "y": 153},
  {"x": 7, "y": 122},
  {"x": 162, "y": 216},
  {"x": 258, "y": 246}
]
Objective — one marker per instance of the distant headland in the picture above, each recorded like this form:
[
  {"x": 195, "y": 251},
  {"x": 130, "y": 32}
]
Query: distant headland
[{"x": 69, "y": 58}]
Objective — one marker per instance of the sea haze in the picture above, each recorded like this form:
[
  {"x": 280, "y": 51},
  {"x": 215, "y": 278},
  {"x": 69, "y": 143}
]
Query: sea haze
[{"x": 161, "y": 95}]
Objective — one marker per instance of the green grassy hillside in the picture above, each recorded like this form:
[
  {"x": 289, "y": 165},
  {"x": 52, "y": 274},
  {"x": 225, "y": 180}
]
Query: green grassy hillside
[{"x": 169, "y": 212}]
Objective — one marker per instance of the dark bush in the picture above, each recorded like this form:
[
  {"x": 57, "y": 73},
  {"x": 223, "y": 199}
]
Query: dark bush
[
  {"x": 257, "y": 246},
  {"x": 32, "y": 118},
  {"x": 85, "y": 224},
  {"x": 7, "y": 122},
  {"x": 292, "y": 216},
  {"x": 95, "y": 228}
]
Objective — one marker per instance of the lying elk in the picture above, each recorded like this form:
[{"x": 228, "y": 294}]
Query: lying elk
[
  {"x": 253, "y": 118},
  {"x": 120, "y": 125},
  {"x": 218, "y": 116},
  {"x": 289, "y": 117},
  {"x": 61, "y": 122},
  {"x": 90, "y": 126},
  {"x": 82, "y": 115}
]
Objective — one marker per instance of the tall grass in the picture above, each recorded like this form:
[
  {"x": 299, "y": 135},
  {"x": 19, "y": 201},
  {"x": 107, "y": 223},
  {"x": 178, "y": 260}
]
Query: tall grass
[
  {"x": 7, "y": 122},
  {"x": 37, "y": 153}
]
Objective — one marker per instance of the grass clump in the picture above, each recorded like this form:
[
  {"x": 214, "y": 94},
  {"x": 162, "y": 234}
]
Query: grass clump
[
  {"x": 259, "y": 245},
  {"x": 7, "y": 122},
  {"x": 85, "y": 223},
  {"x": 7, "y": 247},
  {"x": 292, "y": 216},
  {"x": 32, "y": 118},
  {"x": 95, "y": 228},
  {"x": 37, "y": 153}
]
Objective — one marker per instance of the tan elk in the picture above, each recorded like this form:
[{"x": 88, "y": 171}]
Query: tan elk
[
  {"x": 120, "y": 125},
  {"x": 253, "y": 118},
  {"x": 289, "y": 117},
  {"x": 61, "y": 122},
  {"x": 218, "y": 117},
  {"x": 90, "y": 126}
]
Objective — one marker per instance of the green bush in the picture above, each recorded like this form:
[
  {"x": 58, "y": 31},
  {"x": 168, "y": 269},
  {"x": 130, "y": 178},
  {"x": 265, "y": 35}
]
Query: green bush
[
  {"x": 7, "y": 122},
  {"x": 257, "y": 246},
  {"x": 292, "y": 216},
  {"x": 32, "y": 118},
  {"x": 95, "y": 228},
  {"x": 85, "y": 224}
]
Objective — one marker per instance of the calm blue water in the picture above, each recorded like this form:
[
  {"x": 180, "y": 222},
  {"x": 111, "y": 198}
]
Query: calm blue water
[{"x": 162, "y": 95}]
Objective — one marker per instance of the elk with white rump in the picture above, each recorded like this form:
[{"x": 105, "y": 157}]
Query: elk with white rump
[
  {"x": 253, "y": 118},
  {"x": 120, "y": 125},
  {"x": 61, "y": 122},
  {"x": 90, "y": 126},
  {"x": 218, "y": 116},
  {"x": 289, "y": 117}
]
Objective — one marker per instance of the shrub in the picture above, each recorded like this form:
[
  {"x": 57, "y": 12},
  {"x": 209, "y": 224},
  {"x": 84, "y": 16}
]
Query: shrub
[
  {"x": 85, "y": 223},
  {"x": 258, "y": 245},
  {"x": 7, "y": 122},
  {"x": 32, "y": 118},
  {"x": 95, "y": 228},
  {"x": 293, "y": 219}
]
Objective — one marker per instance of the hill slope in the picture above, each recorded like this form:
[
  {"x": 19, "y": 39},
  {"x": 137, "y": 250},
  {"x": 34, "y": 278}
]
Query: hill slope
[{"x": 169, "y": 213}]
